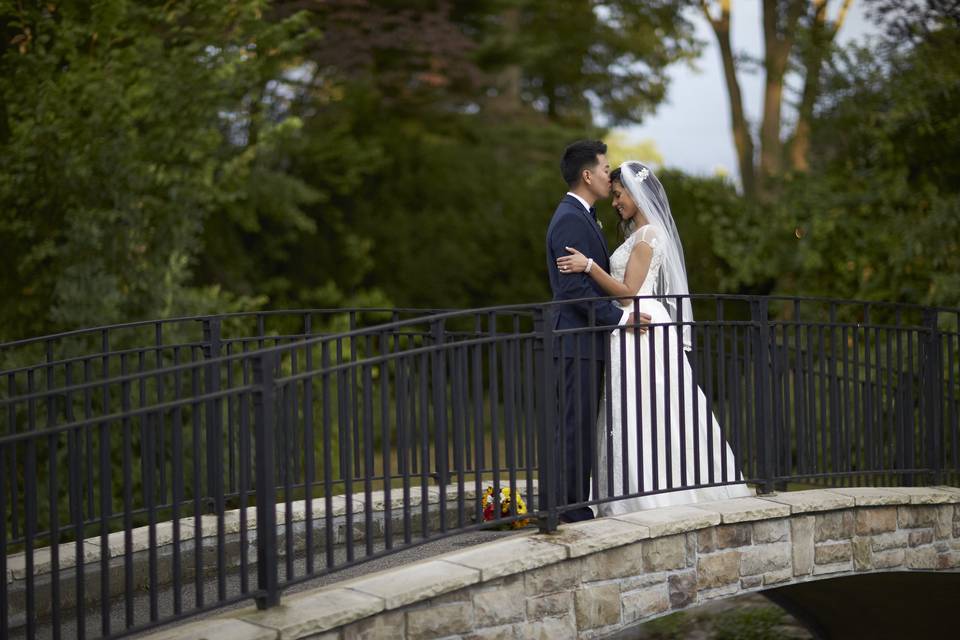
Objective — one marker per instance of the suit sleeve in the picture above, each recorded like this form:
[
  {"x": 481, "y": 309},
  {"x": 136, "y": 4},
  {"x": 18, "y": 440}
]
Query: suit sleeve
[{"x": 569, "y": 232}]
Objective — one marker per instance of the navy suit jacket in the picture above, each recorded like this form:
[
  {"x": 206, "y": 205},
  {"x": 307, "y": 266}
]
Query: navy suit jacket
[{"x": 572, "y": 226}]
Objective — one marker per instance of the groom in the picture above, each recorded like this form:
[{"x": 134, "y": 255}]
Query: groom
[{"x": 582, "y": 354}]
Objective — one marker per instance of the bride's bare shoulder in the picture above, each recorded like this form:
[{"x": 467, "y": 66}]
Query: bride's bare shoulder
[{"x": 645, "y": 235}]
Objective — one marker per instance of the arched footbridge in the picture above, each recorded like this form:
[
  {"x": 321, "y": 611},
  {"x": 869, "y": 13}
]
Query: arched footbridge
[
  {"x": 898, "y": 548},
  {"x": 155, "y": 471}
]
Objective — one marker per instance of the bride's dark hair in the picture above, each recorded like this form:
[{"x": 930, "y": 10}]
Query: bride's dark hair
[{"x": 625, "y": 227}]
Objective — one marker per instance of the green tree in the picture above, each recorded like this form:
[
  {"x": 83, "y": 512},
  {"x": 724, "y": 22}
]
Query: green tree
[
  {"x": 797, "y": 38},
  {"x": 122, "y": 129},
  {"x": 878, "y": 214}
]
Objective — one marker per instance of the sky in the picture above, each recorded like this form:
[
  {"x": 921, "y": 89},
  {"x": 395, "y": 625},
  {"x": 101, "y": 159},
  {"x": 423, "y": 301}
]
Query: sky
[{"x": 691, "y": 128}]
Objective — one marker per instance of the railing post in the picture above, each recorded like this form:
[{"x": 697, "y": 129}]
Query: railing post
[
  {"x": 439, "y": 380},
  {"x": 547, "y": 516},
  {"x": 211, "y": 350},
  {"x": 933, "y": 372},
  {"x": 762, "y": 401},
  {"x": 264, "y": 398}
]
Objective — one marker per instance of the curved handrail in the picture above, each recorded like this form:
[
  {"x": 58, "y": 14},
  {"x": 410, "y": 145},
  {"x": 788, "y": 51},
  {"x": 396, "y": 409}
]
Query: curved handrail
[{"x": 452, "y": 398}]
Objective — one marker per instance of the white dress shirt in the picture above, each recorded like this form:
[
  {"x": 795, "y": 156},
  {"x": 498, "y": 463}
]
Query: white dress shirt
[{"x": 581, "y": 200}]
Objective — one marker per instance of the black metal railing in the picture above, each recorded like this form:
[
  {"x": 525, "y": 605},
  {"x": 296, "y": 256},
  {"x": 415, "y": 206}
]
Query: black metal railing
[{"x": 155, "y": 470}]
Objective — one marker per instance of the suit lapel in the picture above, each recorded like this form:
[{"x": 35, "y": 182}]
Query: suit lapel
[{"x": 593, "y": 223}]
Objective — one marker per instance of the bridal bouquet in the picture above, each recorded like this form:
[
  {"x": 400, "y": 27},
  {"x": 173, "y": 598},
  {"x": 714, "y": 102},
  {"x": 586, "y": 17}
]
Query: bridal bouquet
[{"x": 489, "y": 505}]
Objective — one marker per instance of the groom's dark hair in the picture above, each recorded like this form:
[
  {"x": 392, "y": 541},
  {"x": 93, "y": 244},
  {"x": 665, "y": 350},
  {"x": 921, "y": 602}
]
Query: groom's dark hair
[{"x": 579, "y": 156}]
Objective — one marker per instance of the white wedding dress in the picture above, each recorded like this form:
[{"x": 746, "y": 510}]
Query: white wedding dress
[{"x": 655, "y": 441}]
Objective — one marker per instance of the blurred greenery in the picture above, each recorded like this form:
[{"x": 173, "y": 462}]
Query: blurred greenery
[
  {"x": 744, "y": 618},
  {"x": 164, "y": 158}
]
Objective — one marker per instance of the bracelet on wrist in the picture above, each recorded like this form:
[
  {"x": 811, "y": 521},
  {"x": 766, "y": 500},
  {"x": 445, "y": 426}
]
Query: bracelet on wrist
[{"x": 589, "y": 265}]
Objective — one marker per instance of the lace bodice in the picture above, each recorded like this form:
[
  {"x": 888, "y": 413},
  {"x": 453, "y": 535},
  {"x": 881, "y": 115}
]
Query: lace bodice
[{"x": 620, "y": 257}]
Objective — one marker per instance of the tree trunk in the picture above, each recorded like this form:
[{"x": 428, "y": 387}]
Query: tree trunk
[
  {"x": 508, "y": 80},
  {"x": 821, "y": 37},
  {"x": 778, "y": 36},
  {"x": 738, "y": 122}
]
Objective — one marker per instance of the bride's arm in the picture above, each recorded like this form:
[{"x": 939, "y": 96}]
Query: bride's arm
[{"x": 637, "y": 265}]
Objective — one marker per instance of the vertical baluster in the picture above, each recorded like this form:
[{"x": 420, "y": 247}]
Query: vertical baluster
[
  {"x": 309, "y": 447},
  {"x": 264, "y": 455},
  {"x": 177, "y": 492}
]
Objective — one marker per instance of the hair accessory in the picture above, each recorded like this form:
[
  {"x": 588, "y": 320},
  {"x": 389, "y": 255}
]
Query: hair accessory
[{"x": 642, "y": 174}]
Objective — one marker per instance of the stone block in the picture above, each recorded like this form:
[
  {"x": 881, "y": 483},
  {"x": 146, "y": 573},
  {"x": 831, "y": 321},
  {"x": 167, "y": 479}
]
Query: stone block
[
  {"x": 802, "y": 533},
  {"x": 894, "y": 540},
  {"x": 718, "y": 569},
  {"x": 771, "y": 531},
  {"x": 707, "y": 540},
  {"x": 862, "y": 554},
  {"x": 613, "y": 563},
  {"x": 751, "y": 582},
  {"x": 504, "y": 632},
  {"x": 920, "y": 537},
  {"x": 43, "y": 559},
  {"x": 555, "y": 604},
  {"x": 928, "y": 495},
  {"x": 439, "y": 621},
  {"x": 597, "y": 606},
  {"x": 380, "y": 627},
  {"x": 720, "y": 592},
  {"x": 672, "y": 520},
  {"x": 873, "y": 520},
  {"x": 413, "y": 583},
  {"x": 944, "y": 526},
  {"x": 948, "y": 560},
  {"x": 951, "y": 490},
  {"x": 889, "y": 559},
  {"x": 591, "y": 536},
  {"x": 644, "y": 603},
  {"x": 643, "y": 581},
  {"x": 746, "y": 509},
  {"x": 765, "y": 558},
  {"x": 691, "y": 548},
  {"x": 834, "y": 525},
  {"x": 460, "y": 595},
  {"x": 839, "y": 567},
  {"x": 217, "y": 629},
  {"x": 917, "y": 516},
  {"x": 873, "y": 496},
  {"x": 833, "y": 552},
  {"x": 733, "y": 535},
  {"x": 552, "y": 578},
  {"x": 814, "y": 500},
  {"x": 315, "y": 612},
  {"x": 664, "y": 554},
  {"x": 682, "y": 589},
  {"x": 500, "y": 603},
  {"x": 512, "y": 555},
  {"x": 549, "y": 629},
  {"x": 921, "y": 558},
  {"x": 777, "y": 577}
]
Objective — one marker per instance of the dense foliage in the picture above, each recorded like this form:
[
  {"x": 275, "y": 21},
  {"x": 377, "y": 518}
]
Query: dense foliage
[
  {"x": 169, "y": 158},
  {"x": 877, "y": 216}
]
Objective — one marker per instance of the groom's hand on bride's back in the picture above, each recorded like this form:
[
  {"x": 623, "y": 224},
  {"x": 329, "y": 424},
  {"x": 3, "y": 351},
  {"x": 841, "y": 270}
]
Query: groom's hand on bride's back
[{"x": 635, "y": 319}]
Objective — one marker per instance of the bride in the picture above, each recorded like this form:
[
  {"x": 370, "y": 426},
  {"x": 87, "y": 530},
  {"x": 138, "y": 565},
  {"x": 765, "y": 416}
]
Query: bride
[{"x": 650, "y": 262}]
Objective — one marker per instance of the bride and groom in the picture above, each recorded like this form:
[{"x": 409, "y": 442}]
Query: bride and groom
[{"x": 628, "y": 394}]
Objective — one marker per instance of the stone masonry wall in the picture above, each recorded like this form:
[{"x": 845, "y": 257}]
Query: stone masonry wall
[{"x": 593, "y": 579}]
